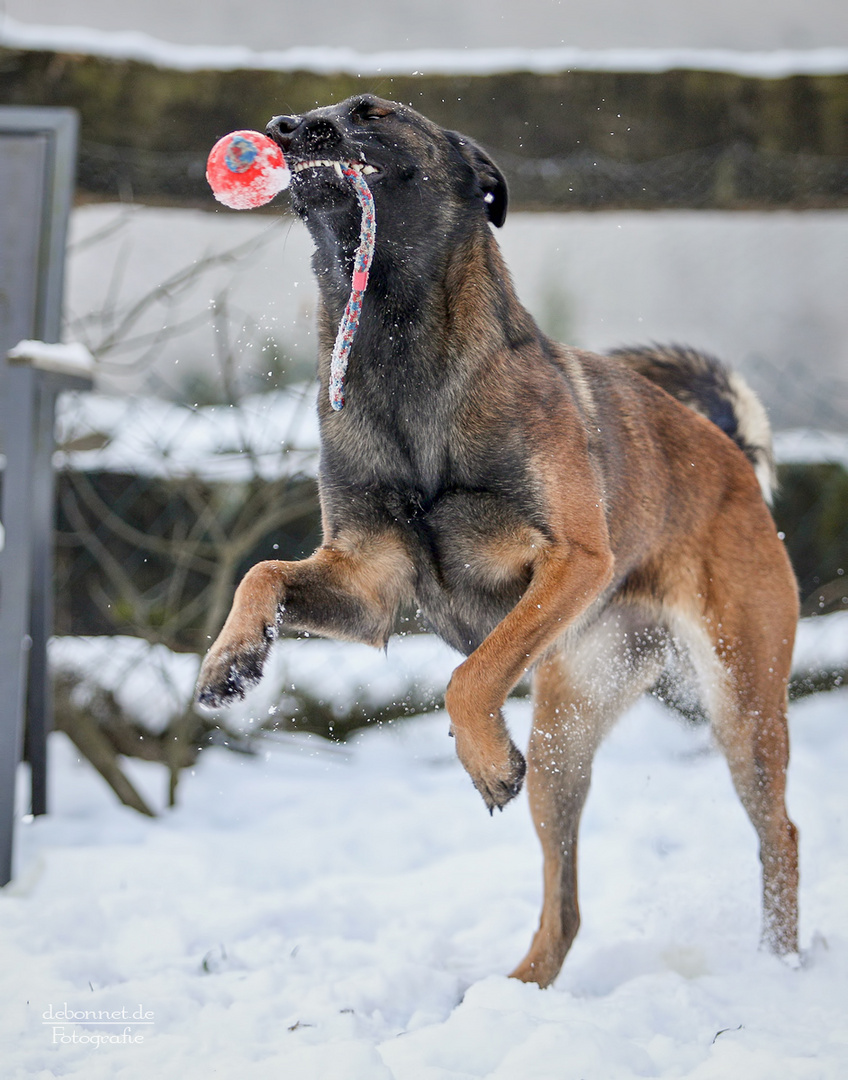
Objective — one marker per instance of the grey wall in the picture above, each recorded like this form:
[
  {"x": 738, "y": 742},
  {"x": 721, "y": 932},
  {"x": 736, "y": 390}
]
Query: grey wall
[{"x": 765, "y": 291}]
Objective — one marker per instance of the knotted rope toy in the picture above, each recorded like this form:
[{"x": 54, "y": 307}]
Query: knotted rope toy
[
  {"x": 361, "y": 265},
  {"x": 246, "y": 169}
]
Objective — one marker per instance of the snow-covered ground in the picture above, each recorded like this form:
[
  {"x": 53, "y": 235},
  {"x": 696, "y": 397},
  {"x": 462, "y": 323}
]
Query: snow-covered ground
[{"x": 348, "y": 912}]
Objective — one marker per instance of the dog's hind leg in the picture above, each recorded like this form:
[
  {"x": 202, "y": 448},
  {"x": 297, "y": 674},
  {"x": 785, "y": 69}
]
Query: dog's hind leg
[
  {"x": 740, "y": 641},
  {"x": 749, "y": 721},
  {"x": 578, "y": 694},
  {"x": 756, "y": 744}
]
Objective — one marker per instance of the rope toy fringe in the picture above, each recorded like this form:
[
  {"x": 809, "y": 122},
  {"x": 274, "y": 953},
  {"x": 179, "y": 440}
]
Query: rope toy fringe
[{"x": 361, "y": 265}]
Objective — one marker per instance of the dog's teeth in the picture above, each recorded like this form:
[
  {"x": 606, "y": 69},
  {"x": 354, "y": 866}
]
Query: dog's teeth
[
  {"x": 317, "y": 163},
  {"x": 314, "y": 164}
]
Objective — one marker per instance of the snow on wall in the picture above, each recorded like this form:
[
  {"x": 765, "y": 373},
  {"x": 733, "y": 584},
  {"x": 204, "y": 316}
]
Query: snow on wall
[
  {"x": 275, "y": 434},
  {"x": 152, "y": 684},
  {"x": 133, "y": 45},
  {"x": 763, "y": 291}
]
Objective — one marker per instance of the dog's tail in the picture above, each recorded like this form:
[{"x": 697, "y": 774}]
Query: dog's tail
[{"x": 713, "y": 390}]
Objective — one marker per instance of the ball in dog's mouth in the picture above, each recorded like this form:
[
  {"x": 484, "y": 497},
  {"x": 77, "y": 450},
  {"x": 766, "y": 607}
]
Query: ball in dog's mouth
[{"x": 246, "y": 169}]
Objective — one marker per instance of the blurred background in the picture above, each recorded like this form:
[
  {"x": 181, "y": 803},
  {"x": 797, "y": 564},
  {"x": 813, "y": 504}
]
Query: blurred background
[{"x": 678, "y": 173}]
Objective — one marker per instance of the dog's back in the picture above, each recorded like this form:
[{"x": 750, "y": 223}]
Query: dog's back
[{"x": 707, "y": 386}]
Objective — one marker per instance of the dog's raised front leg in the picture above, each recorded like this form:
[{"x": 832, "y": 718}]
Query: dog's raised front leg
[
  {"x": 349, "y": 589},
  {"x": 567, "y": 578}
]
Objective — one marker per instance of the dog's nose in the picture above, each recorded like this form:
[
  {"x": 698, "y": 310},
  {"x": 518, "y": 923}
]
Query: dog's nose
[
  {"x": 307, "y": 135},
  {"x": 281, "y": 128}
]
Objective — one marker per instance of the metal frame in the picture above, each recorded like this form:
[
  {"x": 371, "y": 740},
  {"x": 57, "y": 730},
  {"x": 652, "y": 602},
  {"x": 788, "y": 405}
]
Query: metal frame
[
  {"x": 27, "y": 407},
  {"x": 61, "y": 126}
]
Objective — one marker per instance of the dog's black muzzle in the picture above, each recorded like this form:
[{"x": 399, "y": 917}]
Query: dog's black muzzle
[
  {"x": 282, "y": 128},
  {"x": 302, "y": 138},
  {"x": 312, "y": 146}
]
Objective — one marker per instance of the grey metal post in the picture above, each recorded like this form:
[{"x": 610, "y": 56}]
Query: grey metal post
[
  {"x": 44, "y": 388},
  {"x": 16, "y": 417},
  {"x": 37, "y": 167},
  {"x": 39, "y": 702}
]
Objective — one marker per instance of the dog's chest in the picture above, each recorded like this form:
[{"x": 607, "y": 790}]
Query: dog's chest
[
  {"x": 466, "y": 511},
  {"x": 473, "y": 554},
  {"x": 402, "y": 441}
]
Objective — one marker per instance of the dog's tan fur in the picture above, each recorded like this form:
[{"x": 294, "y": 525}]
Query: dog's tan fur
[{"x": 551, "y": 511}]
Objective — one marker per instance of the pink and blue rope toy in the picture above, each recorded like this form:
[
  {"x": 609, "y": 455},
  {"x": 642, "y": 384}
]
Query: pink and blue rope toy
[
  {"x": 246, "y": 169},
  {"x": 353, "y": 310}
]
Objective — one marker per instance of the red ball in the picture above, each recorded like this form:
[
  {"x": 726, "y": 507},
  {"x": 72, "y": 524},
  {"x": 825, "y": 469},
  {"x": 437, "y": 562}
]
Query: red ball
[{"x": 246, "y": 169}]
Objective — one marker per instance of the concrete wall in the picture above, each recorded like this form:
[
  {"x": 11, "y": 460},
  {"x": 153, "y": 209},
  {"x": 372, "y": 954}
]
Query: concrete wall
[
  {"x": 765, "y": 290},
  {"x": 567, "y": 140}
]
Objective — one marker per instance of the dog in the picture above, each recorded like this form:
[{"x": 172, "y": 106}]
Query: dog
[{"x": 595, "y": 521}]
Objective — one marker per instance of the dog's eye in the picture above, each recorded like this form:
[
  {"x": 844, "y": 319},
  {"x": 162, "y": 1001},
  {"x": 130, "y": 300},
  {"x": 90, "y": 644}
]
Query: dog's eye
[{"x": 369, "y": 110}]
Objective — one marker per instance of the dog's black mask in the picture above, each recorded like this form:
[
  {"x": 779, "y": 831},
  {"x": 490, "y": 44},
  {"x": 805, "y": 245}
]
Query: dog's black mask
[{"x": 427, "y": 170}]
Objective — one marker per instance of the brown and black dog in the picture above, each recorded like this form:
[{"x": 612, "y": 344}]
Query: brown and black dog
[{"x": 547, "y": 510}]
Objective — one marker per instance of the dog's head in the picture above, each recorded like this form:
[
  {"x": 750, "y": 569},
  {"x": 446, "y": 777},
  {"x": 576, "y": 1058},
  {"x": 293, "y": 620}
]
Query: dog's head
[{"x": 421, "y": 176}]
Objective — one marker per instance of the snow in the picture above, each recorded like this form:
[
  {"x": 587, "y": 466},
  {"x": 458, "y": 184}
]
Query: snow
[
  {"x": 349, "y": 911},
  {"x": 133, "y": 45},
  {"x": 152, "y": 684},
  {"x": 804, "y": 446},
  {"x": 272, "y": 435},
  {"x": 268, "y": 435},
  {"x": 71, "y": 358}
]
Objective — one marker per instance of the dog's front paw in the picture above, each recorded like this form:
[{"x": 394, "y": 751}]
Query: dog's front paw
[
  {"x": 496, "y": 771},
  {"x": 499, "y": 785},
  {"x": 228, "y": 671}
]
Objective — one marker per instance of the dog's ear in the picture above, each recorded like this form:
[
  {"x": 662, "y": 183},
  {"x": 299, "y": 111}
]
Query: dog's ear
[{"x": 491, "y": 183}]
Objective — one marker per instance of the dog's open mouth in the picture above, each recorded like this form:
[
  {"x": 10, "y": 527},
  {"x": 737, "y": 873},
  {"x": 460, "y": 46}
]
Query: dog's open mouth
[
  {"x": 337, "y": 166},
  {"x": 329, "y": 184}
]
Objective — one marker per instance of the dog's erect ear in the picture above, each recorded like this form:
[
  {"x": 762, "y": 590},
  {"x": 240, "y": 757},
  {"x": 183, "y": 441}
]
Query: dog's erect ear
[{"x": 491, "y": 182}]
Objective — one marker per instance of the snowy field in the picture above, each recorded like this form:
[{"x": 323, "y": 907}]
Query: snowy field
[{"x": 348, "y": 913}]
